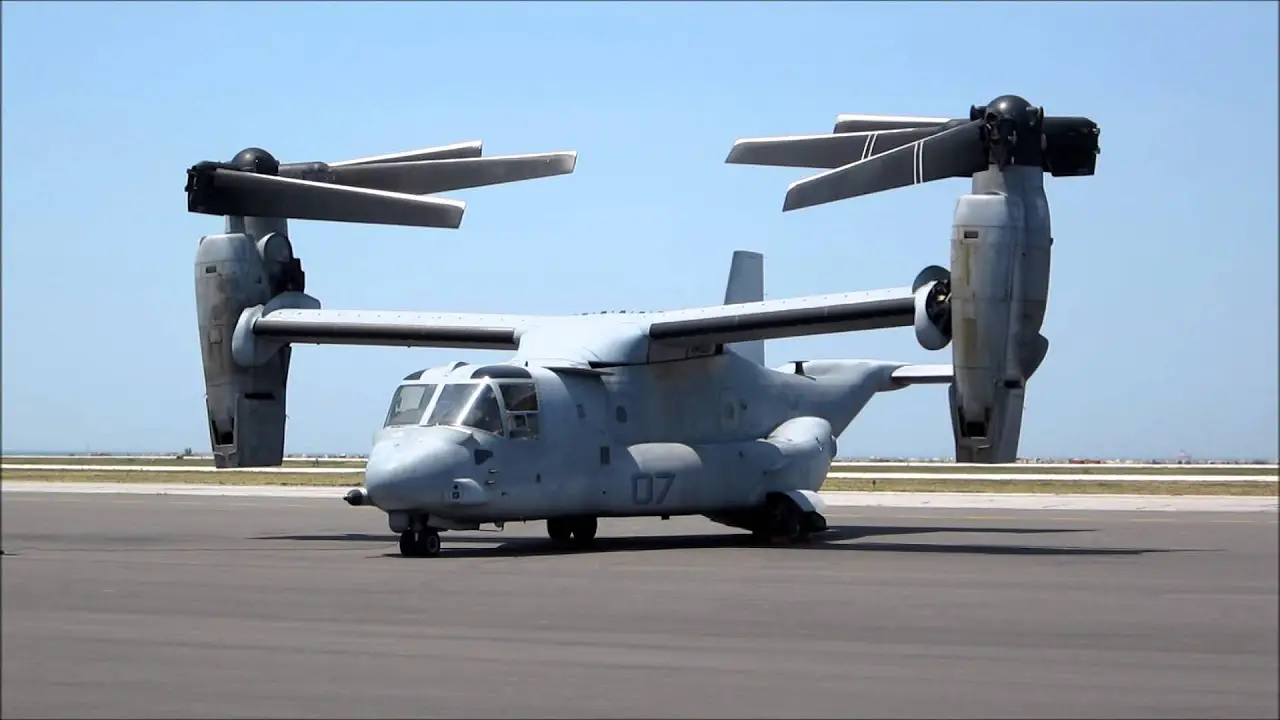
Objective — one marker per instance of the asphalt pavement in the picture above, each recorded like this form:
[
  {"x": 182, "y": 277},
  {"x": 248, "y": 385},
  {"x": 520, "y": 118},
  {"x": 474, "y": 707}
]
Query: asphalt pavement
[{"x": 155, "y": 606}]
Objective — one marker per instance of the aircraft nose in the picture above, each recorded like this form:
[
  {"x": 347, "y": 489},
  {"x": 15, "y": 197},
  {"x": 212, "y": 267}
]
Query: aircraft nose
[{"x": 407, "y": 474}]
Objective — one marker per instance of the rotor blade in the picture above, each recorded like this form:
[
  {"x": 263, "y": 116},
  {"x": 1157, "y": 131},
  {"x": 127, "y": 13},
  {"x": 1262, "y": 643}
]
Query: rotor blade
[
  {"x": 472, "y": 149},
  {"x": 852, "y": 123},
  {"x": 819, "y": 151},
  {"x": 231, "y": 192},
  {"x": 435, "y": 176},
  {"x": 957, "y": 152}
]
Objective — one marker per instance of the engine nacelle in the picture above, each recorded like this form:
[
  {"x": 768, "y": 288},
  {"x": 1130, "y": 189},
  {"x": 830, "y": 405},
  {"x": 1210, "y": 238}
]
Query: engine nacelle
[
  {"x": 245, "y": 405},
  {"x": 1000, "y": 249}
]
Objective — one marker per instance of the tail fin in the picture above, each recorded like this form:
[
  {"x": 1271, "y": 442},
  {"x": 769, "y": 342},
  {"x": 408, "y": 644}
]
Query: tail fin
[{"x": 746, "y": 284}]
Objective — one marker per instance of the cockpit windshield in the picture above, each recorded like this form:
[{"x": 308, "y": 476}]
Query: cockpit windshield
[
  {"x": 473, "y": 405},
  {"x": 408, "y": 404}
]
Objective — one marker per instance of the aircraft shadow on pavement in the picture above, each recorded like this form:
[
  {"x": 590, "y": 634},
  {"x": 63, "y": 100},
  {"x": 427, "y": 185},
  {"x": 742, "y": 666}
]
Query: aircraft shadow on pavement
[{"x": 835, "y": 538}]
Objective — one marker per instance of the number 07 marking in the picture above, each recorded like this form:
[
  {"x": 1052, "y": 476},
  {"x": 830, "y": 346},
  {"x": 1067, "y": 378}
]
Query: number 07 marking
[{"x": 644, "y": 485}]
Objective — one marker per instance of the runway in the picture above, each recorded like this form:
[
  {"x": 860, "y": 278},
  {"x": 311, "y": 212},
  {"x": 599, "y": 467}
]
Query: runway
[{"x": 188, "y": 606}]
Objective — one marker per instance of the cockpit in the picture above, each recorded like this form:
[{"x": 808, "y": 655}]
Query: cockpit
[{"x": 507, "y": 407}]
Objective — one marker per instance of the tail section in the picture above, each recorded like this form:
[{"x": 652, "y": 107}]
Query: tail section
[{"x": 746, "y": 284}]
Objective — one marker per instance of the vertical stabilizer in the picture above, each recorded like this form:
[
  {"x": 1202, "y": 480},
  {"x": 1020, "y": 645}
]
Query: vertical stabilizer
[{"x": 746, "y": 284}]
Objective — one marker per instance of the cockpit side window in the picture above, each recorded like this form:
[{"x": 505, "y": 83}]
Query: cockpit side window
[
  {"x": 521, "y": 401},
  {"x": 408, "y": 404},
  {"x": 520, "y": 397},
  {"x": 473, "y": 405}
]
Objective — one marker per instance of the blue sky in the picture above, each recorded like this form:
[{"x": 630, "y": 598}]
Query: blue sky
[{"x": 1162, "y": 316}]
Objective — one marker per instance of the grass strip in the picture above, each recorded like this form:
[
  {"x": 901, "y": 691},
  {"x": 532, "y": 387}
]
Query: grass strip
[{"x": 1059, "y": 487}]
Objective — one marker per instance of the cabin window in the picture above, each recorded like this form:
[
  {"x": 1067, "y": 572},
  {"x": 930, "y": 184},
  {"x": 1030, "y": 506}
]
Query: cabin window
[
  {"x": 521, "y": 402},
  {"x": 408, "y": 404},
  {"x": 472, "y": 405}
]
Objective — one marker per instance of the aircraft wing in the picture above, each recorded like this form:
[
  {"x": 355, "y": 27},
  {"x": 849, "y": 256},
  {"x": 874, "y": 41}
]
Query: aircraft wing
[
  {"x": 790, "y": 317},
  {"x": 297, "y": 318},
  {"x": 389, "y": 328}
]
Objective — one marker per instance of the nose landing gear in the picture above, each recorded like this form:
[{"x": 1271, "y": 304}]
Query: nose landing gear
[{"x": 421, "y": 543}]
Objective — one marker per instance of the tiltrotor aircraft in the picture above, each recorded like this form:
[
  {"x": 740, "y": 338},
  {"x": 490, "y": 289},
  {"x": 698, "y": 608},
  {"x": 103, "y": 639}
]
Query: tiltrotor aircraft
[{"x": 609, "y": 415}]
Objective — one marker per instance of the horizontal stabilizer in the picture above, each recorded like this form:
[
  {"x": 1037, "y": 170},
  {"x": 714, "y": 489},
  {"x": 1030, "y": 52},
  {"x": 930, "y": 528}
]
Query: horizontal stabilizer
[
  {"x": 854, "y": 123},
  {"x": 923, "y": 375},
  {"x": 222, "y": 191},
  {"x": 424, "y": 177}
]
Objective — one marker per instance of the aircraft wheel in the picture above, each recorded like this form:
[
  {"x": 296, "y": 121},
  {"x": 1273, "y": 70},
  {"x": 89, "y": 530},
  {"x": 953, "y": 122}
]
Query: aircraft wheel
[
  {"x": 791, "y": 526},
  {"x": 816, "y": 522},
  {"x": 584, "y": 529},
  {"x": 559, "y": 529},
  {"x": 429, "y": 543},
  {"x": 423, "y": 544},
  {"x": 409, "y": 543},
  {"x": 786, "y": 521}
]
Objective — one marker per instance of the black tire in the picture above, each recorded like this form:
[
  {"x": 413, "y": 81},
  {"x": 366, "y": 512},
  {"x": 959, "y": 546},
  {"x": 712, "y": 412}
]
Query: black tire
[
  {"x": 429, "y": 543},
  {"x": 815, "y": 522},
  {"x": 790, "y": 523},
  {"x": 408, "y": 544},
  {"x": 584, "y": 529},
  {"x": 784, "y": 520},
  {"x": 559, "y": 529}
]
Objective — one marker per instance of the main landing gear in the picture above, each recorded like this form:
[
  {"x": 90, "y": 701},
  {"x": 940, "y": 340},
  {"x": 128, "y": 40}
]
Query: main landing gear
[
  {"x": 784, "y": 520},
  {"x": 420, "y": 543},
  {"x": 582, "y": 530}
]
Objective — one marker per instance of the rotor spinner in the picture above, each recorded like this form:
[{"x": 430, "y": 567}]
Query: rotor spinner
[
  {"x": 256, "y": 160},
  {"x": 1013, "y": 131}
]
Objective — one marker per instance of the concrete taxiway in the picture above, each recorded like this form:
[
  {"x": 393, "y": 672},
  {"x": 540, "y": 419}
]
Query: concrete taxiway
[{"x": 189, "y": 606}]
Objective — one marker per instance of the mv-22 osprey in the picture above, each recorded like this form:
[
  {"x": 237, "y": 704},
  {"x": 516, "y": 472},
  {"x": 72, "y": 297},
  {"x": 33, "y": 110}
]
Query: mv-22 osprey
[{"x": 615, "y": 415}]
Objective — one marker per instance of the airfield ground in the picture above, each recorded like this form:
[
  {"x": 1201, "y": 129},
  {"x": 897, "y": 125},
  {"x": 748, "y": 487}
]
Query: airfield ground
[
  {"x": 185, "y": 606},
  {"x": 1229, "y": 480}
]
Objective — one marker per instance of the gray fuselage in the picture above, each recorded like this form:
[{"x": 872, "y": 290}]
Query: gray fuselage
[{"x": 467, "y": 444}]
